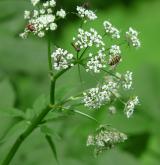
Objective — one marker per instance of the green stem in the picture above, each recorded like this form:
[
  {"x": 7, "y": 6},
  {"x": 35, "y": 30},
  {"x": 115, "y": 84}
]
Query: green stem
[
  {"x": 110, "y": 73},
  {"x": 53, "y": 80},
  {"x": 24, "y": 135},
  {"x": 83, "y": 52},
  {"x": 49, "y": 54},
  {"x": 52, "y": 91}
]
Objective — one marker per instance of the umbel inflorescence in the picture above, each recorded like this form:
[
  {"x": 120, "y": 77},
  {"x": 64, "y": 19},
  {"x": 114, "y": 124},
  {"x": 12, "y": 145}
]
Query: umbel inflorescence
[
  {"x": 105, "y": 60},
  {"x": 42, "y": 19}
]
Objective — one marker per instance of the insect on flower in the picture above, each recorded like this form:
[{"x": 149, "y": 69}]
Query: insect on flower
[
  {"x": 76, "y": 47},
  {"x": 115, "y": 60},
  {"x": 30, "y": 27}
]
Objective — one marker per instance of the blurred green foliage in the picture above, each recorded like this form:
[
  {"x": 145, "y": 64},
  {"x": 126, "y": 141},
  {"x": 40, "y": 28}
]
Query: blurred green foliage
[{"x": 24, "y": 77}]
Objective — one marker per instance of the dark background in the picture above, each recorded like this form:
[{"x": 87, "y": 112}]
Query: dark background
[{"x": 24, "y": 77}]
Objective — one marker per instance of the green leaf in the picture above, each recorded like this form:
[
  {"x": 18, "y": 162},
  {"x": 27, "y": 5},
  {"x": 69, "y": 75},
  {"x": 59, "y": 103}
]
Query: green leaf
[
  {"x": 40, "y": 103},
  {"x": 7, "y": 96},
  {"x": 49, "y": 131},
  {"x": 52, "y": 146},
  {"x": 116, "y": 156},
  {"x": 46, "y": 130},
  {"x": 29, "y": 114},
  {"x": 12, "y": 112},
  {"x": 15, "y": 130}
]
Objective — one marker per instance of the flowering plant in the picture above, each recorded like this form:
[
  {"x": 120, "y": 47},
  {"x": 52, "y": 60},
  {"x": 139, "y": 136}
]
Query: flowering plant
[{"x": 40, "y": 22}]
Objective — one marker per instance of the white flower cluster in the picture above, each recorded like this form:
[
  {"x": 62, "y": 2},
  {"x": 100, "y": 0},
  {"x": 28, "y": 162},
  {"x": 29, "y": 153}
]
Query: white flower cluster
[
  {"x": 127, "y": 82},
  {"x": 96, "y": 63},
  {"x": 88, "y": 38},
  {"x": 132, "y": 38},
  {"x": 111, "y": 30},
  {"x": 87, "y": 14},
  {"x": 130, "y": 106},
  {"x": 42, "y": 20},
  {"x": 96, "y": 97},
  {"x": 105, "y": 138},
  {"x": 61, "y": 59}
]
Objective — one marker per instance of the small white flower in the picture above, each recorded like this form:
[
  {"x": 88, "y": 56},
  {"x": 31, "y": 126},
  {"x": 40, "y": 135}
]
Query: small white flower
[
  {"x": 23, "y": 35},
  {"x": 27, "y": 14},
  {"x": 52, "y": 3},
  {"x": 41, "y": 34},
  {"x": 111, "y": 30},
  {"x": 46, "y": 4},
  {"x": 49, "y": 11},
  {"x": 35, "y": 13},
  {"x": 42, "y": 11},
  {"x": 61, "y": 59},
  {"x": 96, "y": 63},
  {"x": 61, "y": 13},
  {"x": 130, "y": 106},
  {"x": 127, "y": 82},
  {"x": 84, "y": 13},
  {"x": 53, "y": 26},
  {"x": 132, "y": 38},
  {"x": 35, "y": 2},
  {"x": 112, "y": 109}
]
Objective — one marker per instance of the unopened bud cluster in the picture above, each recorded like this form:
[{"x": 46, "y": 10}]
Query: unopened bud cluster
[{"x": 105, "y": 138}]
